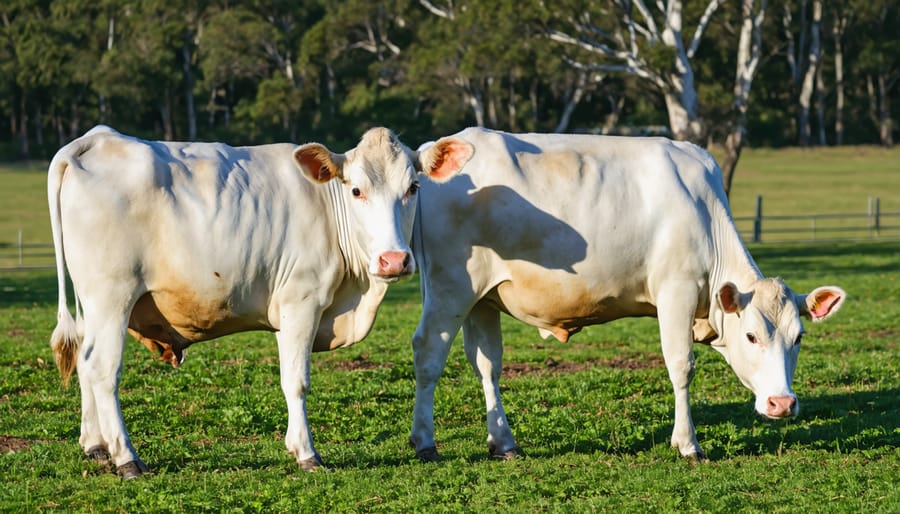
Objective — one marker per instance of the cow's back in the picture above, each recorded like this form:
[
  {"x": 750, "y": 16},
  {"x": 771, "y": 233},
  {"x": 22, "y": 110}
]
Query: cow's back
[
  {"x": 564, "y": 231},
  {"x": 199, "y": 233}
]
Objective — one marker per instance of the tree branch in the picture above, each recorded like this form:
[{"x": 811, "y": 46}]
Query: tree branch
[
  {"x": 701, "y": 26},
  {"x": 594, "y": 47},
  {"x": 631, "y": 68},
  {"x": 443, "y": 13},
  {"x": 652, "y": 30}
]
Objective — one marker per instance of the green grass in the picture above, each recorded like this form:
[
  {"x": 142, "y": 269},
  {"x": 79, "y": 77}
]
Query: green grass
[
  {"x": 594, "y": 415},
  {"x": 795, "y": 181},
  {"x": 821, "y": 180}
]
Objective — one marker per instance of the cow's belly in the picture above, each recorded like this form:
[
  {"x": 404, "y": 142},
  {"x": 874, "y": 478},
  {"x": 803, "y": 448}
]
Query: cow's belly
[
  {"x": 169, "y": 321},
  {"x": 563, "y": 303}
]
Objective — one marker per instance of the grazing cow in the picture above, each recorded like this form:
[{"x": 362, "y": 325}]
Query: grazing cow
[
  {"x": 183, "y": 242},
  {"x": 566, "y": 231}
]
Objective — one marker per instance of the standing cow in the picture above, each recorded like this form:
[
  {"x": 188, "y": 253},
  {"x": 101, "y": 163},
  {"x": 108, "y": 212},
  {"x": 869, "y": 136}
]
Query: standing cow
[
  {"x": 182, "y": 242},
  {"x": 566, "y": 231}
]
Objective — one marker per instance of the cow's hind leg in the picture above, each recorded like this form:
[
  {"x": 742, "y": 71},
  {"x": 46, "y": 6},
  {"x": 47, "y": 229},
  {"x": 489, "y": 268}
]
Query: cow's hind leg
[
  {"x": 677, "y": 302},
  {"x": 484, "y": 349},
  {"x": 99, "y": 367},
  {"x": 91, "y": 439},
  {"x": 294, "y": 346}
]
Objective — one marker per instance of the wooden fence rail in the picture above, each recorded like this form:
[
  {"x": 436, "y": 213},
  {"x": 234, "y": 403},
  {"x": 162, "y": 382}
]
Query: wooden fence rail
[
  {"x": 871, "y": 225},
  {"x": 759, "y": 228}
]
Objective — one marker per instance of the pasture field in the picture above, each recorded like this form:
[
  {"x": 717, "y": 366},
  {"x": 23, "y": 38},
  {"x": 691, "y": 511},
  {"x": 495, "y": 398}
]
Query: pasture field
[{"x": 594, "y": 414}]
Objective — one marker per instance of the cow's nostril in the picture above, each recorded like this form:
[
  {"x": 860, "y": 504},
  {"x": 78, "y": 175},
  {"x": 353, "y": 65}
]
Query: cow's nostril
[
  {"x": 780, "y": 406},
  {"x": 393, "y": 263}
]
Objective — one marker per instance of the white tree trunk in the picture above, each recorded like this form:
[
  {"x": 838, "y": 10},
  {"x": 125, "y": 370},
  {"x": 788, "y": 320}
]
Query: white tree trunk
[
  {"x": 838, "y": 32},
  {"x": 808, "y": 86},
  {"x": 748, "y": 58},
  {"x": 189, "y": 85},
  {"x": 571, "y": 102},
  {"x": 622, "y": 53},
  {"x": 681, "y": 100}
]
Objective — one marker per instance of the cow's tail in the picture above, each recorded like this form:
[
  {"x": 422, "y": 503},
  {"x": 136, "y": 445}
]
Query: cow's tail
[{"x": 66, "y": 337}]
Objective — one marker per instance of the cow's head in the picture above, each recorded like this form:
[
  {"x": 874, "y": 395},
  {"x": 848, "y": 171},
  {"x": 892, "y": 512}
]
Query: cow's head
[
  {"x": 760, "y": 337},
  {"x": 380, "y": 181}
]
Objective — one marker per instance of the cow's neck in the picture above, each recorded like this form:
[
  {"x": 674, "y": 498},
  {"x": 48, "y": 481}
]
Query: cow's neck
[
  {"x": 731, "y": 262},
  {"x": 355, "y": 302}
]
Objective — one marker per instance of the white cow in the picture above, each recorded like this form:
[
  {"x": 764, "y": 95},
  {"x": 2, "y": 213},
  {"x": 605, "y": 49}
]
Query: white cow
[
  {"x": 182, "y": 242},
  {"x": 566, "y": 231}
]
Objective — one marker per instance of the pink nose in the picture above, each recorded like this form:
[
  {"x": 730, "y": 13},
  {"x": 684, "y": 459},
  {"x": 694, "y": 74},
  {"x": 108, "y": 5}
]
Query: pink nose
[
  {"x": 393, "y": 264},
  {"x": 781, "y": 406}
]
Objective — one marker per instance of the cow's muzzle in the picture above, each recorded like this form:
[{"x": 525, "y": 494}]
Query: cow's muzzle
[
  {"x": 394, "y": 265},
  {"x": 778, "y": 407}
]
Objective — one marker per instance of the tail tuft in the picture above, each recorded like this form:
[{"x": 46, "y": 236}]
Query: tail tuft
[{"x": 65, "y": 342}]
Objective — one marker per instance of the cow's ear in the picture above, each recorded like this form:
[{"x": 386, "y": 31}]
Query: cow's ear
[
  {"x": 444, "y": 158},
  {"x": 730, "y": 298},
  {"x": 317, "y": 163},
  {"x": 821, "y": 302}
]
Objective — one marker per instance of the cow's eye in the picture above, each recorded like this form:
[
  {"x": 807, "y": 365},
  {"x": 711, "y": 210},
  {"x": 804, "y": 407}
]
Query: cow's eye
[
  {"x": 356, "y": 192},
  {"x": 413, "y": 188},
  {"x": 751, "y": 337},
  {"x": 798, "y": 340}
]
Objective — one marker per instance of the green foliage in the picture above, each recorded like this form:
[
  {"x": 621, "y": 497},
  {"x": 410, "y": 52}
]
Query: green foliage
[{"x": 268, "y": 71}]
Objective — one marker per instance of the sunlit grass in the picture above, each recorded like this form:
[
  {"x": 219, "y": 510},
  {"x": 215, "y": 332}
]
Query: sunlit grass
[{"x": 594, "y": 414}]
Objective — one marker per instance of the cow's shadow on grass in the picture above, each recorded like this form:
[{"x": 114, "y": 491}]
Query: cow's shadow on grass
[
  {"x": 856, "y": 421},
  {"x": 811, "y": 260},
  {"x": 26, "y": 289}
]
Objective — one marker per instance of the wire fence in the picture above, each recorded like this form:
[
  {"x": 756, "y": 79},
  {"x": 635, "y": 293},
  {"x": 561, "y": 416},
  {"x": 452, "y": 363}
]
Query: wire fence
[{"x": 759, "y": 228}]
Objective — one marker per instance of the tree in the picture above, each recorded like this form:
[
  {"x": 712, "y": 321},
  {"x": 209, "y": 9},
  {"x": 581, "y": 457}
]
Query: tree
[
  {"x": 625, "y": 36},
  {"x": 748, "y": 58},
  {"x": 808, "y": 83},
  {"x": 234, "y": 46},
  {"x": 879, "y": 62}
]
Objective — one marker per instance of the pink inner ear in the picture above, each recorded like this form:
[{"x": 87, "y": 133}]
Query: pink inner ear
[
  {"x": 822, "y": 304},
  {"x": 316, "y": 163},
  {"x": 452, "y": 156},
  {"x": 728, "y": 297}
]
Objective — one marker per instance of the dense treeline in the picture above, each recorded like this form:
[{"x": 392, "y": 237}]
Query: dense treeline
[{"x": 251, "y": 71}]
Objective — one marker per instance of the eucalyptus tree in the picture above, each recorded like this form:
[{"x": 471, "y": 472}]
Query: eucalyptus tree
[
  {"x": 878, "y": 62},
  {"x": 235, "y": 49},
  {"x": 351, "y": 60},
  {"x": 141, "y": 73},
  {"x": 749, "y": 56},
  {"x": 647, "y": 42},
  {"x": 45, "y": 48}
]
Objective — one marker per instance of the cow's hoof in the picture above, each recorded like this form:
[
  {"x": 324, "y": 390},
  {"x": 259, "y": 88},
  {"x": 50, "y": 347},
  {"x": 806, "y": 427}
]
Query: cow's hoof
[
  {"x": 697, "y": 458},
  {"x": 511, "y": 454},
  {"x": 98, "y": 453},
  {"x": 429, "y": 454},
  {"x": 313, "y": 463},
  {"x": 133, "y": 469}
]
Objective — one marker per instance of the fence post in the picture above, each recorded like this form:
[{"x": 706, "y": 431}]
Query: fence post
[
  {"x": 871, "y": 214},
  {"x": 877, "y": 216},
  {"x": 20, "y": 248},
  {"x": 757, "y": 221}
]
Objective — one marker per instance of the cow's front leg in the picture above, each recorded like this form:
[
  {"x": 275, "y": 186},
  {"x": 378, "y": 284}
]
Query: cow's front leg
[
  {"x": 431, "y": 344},
  {"x": 484, "y": 349},
  {"x": 676, "y": 303},
  {"x": 295, "y": 339}
]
